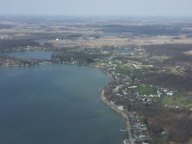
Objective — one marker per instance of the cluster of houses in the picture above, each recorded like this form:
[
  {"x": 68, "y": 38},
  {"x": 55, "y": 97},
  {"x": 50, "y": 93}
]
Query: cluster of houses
[
  {"x": 139, "y": 130},
  {"x": 7, "y": 61},
  {"x": 122, "y": 91},
  {"x": 124, "y": 86}
]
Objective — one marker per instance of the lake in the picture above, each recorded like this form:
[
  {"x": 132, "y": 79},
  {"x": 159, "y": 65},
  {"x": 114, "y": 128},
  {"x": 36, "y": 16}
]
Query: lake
[{"x": 56, "y": 104}]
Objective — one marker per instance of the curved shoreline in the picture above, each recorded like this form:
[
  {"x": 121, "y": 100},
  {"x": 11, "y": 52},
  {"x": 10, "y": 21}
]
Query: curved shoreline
[{"x": 124, "y": 114}]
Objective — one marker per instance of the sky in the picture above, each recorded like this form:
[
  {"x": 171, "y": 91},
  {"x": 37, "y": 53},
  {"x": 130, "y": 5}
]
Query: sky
[{"x": 97, "y": 7}]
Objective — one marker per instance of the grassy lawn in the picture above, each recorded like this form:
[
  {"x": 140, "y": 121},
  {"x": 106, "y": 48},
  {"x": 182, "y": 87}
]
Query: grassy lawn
[
  {"x": 98, "y": 63},
  {"x": 146, "y": 90},
  {"x": 178, "y": 100},
  {"x": 159, "y": 58}
]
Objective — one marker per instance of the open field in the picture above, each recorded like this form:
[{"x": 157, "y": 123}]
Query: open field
[{"x": 121, "y": 42}]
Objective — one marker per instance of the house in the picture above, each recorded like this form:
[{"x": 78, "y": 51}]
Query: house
[
  {"x": 126, "y": 141},
  {"x": 170, "y": 93},
  {"x": 120, "y": 108},
  {"x": 142, "y": 137}
]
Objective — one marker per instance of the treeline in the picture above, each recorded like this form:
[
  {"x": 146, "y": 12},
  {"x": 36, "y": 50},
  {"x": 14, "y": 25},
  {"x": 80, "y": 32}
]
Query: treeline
[
  {"x": 2, "y": 26},
  {"x": 12, "y": 44},
  {"x": 152, "y": 30},
  {"x": 168, "y": 125},
  {"x": 172, "y": 81},
  {"x": 77, "y": 57},
  {"x": 173, "y": 50},
  {"x": 61, "y": 35}
]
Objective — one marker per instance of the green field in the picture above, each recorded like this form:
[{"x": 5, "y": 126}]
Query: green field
[
  {"x": 178, "y": 100},
  {"x": 146, "y": 90}
]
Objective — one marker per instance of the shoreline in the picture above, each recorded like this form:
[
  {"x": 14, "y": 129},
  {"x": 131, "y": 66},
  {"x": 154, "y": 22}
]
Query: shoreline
[
  {"x": 102, "y": 97},
  {"x": 124, "y": 114}
]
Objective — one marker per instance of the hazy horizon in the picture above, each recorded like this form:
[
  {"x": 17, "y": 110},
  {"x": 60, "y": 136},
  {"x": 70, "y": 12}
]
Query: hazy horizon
[{"x": 149, "y": 8}]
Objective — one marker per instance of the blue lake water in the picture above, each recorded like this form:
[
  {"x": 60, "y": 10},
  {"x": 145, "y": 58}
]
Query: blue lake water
[
  {"x": 55, "y": 104},
  {"x": 31, "y": 54}
]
